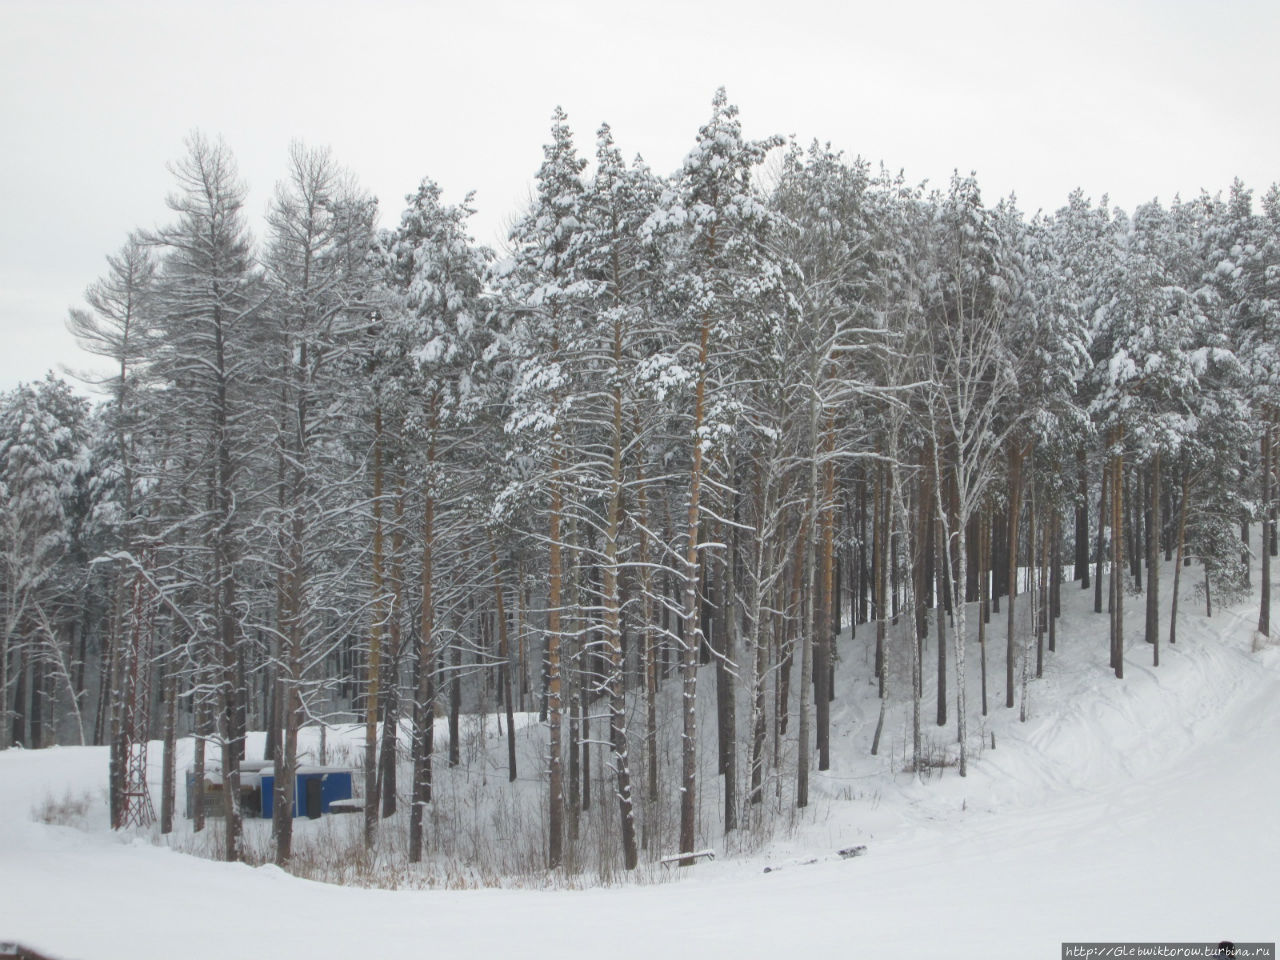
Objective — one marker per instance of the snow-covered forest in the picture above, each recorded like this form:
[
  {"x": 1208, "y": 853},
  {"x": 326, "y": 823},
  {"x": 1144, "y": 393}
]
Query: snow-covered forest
[{"x": 663, "y": 450}]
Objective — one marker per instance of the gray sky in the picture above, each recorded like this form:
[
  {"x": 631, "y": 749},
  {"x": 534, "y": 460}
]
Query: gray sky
[{"x": 1135, "y": 99}]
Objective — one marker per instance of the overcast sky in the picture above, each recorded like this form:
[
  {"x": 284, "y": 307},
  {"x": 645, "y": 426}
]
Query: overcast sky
[{"x": 1133, "y": 99}]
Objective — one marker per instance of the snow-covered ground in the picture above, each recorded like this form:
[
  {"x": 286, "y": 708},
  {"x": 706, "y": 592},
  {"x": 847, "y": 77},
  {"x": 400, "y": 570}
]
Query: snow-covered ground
[{"x": 1135, "y": 810}]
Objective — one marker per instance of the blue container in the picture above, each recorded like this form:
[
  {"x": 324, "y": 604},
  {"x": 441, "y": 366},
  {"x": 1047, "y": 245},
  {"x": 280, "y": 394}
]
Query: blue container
[{"x": 335, "y": 784}]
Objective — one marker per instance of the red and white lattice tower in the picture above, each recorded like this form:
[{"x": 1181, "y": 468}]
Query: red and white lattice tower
[{"x": 135, "y": 802}]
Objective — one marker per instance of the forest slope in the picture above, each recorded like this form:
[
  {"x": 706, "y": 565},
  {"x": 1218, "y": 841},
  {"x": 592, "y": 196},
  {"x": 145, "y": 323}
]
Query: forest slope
[{"x": 1141, "y": 809}]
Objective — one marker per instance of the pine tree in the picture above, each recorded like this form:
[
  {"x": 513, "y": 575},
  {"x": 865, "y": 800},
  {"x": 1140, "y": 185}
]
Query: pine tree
[
  {"x": 320, "y": 229},
  {"x": 980, "y": 354},
  {"x": 543, "y": 289},
  {"x": 616, "y": 206},
  {"x": 119, "y": 326},
  {"x": 724, "y": 268},
  {"x": 433, "y": 304},
  {"x": 208, "y": 303},
  {"x": 44, "y": 457}
]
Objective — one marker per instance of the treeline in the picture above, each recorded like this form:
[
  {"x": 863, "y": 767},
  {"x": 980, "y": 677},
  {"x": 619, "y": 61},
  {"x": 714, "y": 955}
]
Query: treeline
[{"x": 707, "y": 419}]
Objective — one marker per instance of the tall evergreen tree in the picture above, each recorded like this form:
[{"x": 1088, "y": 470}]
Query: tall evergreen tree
[
  {"x": 209, "y": 298},
  {"x": 724, "y": 281},
  {"x": 544, "y": 289}
]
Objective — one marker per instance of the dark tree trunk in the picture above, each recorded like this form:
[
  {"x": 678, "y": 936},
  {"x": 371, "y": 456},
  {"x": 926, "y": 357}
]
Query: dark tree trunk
[
  {"x": 715, "y": 581},
  {"x": 729, "y": 714},
  {"x": 169, "y": 756},
  {"x": 999, "y": 562},
  {"x": 586, "y": 753},
  {"x": 20, "y": 709},
  {"x": 391, "y": 689},
  {"x": 1056, "y": 576},
  {"x": 1153, "y": 562},
  {"x": 1245, "y": 557},
  {"x": 1015, "y": 495},
  {"x": 573, "y": 804},
  {"x": 35, "y": 719},
  {"x": 1082, "y": 521},
  {"x": 940, "y": 610},
  {"x": 455, "y": 703},
  {"x": 424, "y": 664},
  {"x": 823, "y": 626},
  {"x": 692, "y": 633},
  {"x": 984, "y": 588},
  {"x": 1177, "y": 568},
  {"x": 373, "y": 666},
  {"x": 864, "y": 571},
  {"x": 504, "y": 665},
  {"x": 1055, "y": 580},
  {"x": 1268, "y": 532},
  {"x": 877, "y": 568},
  {"x": 1117, "y": 562},
  {"x": 198, "y": 762},
  {"x": 1103, "y": 512}
]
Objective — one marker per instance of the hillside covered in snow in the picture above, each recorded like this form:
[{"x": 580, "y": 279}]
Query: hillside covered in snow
[{"x": 1134, "y": 810}]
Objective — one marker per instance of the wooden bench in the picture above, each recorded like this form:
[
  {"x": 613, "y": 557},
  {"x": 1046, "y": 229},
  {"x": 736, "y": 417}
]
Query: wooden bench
[{"x": 694, "y": 855}]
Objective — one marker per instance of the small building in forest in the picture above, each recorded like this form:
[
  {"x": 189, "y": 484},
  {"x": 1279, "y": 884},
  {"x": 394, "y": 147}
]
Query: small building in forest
[{"x": 316, "y": 789}]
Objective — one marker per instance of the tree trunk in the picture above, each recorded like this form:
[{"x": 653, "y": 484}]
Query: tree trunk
[
  {"x": 613, "y": 631},
  {"x": 1264, "y": 606},
  {"x": 715, "y": 627},
  {"x": 880, "y": 510},
  {"x": 959, "y": 628},
  {"x": 759, "y": 621},
  {"x": 1103, "y": 512},
  {"x": 555, "y": 706},
  {"x": 984, "y": 590},
  {"x": 1208, "y": 600},
  {"x": 864, "y": 572},
  {"x": 940, "y": 578},
  {"x": 787, "y": 632},
  {"x": 1139, "y": 524},
  {"x": 649, "y": 650},
  {"x": 998, "y": 544},
  {"x": 1117, "y": 560},
  {"x": 1033, "y": 597},
  {"x": 585, "y": 743},
  {"x": 504, "y": 662},
  {"x": 806, "y": 649},
  {"x": 877, "y": 569},
  {"x": 455, "y": 694},
  {"x": 1055, "y": 579},
  {"x": 896, "y": 496},
  {"x": 117, "y": 751},
  {"x": 198, "y": 762},
  {"x": 1039, "y": 563},
  {"x": 1177, "y": 568},
  {"x": 423, "y": 701},
  {"x": 920, "y": 549},
  {"x": 825, "y": 633},
  {"x": 1153, "y": 562},
  {"x": 729, "y": 712},
  {"x": 809, "y": 536},
  {"x": 1246, "y": 559},
  {"x": 1015, "y": 494},
  {"x": 391, "y": 690},
  {"x": 169, "y": 754},
  {"x": 1082, "y": 521},
  {"x": 373, "y": 666},
  {"x": 522, "y": 633},
  {"x": 692, "y": 630},
  {"x": 573, "y": 805},
  {"x": 881, "y": 661}
]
